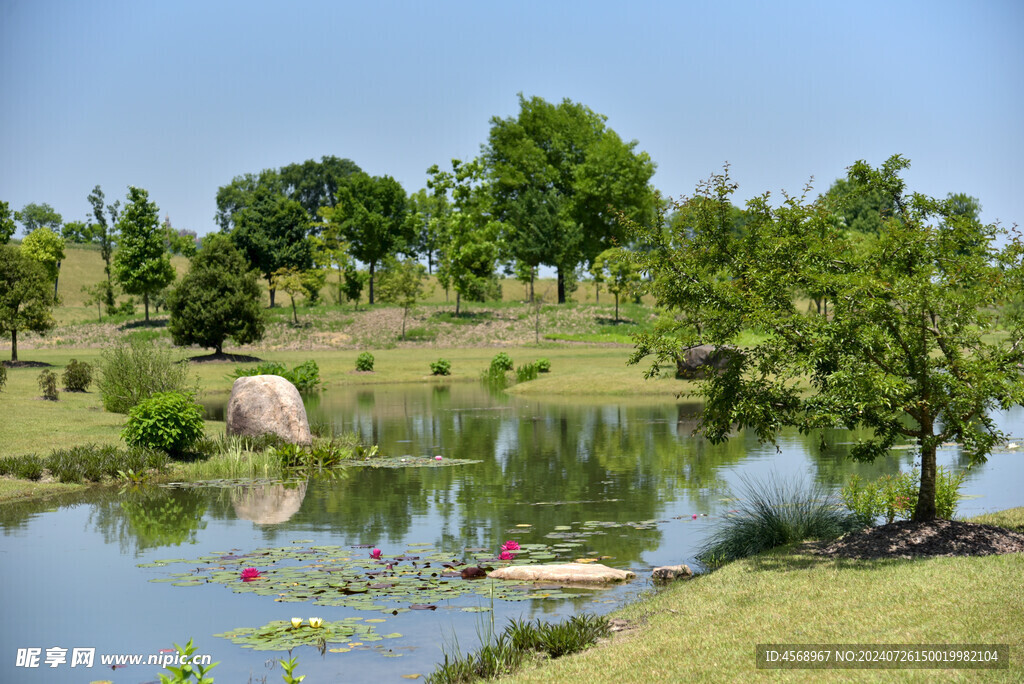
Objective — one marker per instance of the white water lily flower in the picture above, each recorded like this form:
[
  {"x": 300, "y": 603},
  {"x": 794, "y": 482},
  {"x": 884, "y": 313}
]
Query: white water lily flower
[
  {"x": 315, "y": 622},
  {"x": 296, "y": 622}
]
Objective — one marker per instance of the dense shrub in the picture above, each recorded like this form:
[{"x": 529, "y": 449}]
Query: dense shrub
[
  {"x": 77, "y": 376},
  {"x": 891, "y": 497},
  {"x": 773, "y": 513},
  {"x": 48, "y": 385},
  {"x": 168, "y": 421},
  {"x": 501, "y": 363},
  {"x": 364, "y": 362},
  {"x": 218, "y": 298},
  {"x": 133, "y": 371},
  {"x": 305, "y": 376},
  {"x": 543, "y": 366},
  {"x": 441, "y": 367}
]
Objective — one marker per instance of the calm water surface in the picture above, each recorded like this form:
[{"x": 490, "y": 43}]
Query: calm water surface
[{"x": 70, "y": 566}]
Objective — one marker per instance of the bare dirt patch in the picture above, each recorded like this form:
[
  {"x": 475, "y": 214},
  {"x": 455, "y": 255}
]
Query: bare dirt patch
[{"x": 905, "y": 539}]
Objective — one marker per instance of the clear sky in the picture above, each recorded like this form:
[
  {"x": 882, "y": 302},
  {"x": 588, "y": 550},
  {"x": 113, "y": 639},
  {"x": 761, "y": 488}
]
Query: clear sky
[{"x": 179, "y": 97}]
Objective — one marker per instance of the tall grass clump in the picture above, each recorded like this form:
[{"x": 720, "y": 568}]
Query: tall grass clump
[
  {"x": 133, "y": 371},
  {"x": 23, "y": 467},
  {"x": 772, "y": 513},
  {"x": 506, "y": 652},
  {"x": 93, "y": 462}
]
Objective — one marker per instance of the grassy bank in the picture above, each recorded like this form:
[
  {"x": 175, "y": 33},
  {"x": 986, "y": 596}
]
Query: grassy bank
[{"x": 706, "y": 629}]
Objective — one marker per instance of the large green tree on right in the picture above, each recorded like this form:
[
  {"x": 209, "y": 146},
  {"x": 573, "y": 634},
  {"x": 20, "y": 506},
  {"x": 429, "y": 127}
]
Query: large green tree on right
[
  {"x": 559, "y": 176},
  {"x": 911, "y": 347}
]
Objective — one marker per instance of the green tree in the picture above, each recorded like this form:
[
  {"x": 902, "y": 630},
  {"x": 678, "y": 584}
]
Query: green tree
[
  {"x": 34, "y": 216},
  {"x": 240, "y": 194},
  {"x": 314, "y": 184},
  {"x": 370, "y": 215},
  {"x": 7, "y": 224},
  {"x": 272, "y": 231},
  {"x": 46, "y": 247},
  {"x": 469, "y": 234},
  {"x": 615, "y": 268},
  {"x": 25, "y": 298},
  {"x": 907, "y": 350},
  {"x": 141, "y": 264},
  {"x": 218, "y": 298},
  {"x": 401, "y": 283},
  {"x": 559, "y": 175},
  {"x": 106, "y": 236},
  {"x": 427, "y": 211},
  {"x": 78, "y": 232}
]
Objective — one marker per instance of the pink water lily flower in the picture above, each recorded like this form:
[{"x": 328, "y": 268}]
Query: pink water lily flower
[
  {"x": 375, "y": 554},
  {"x": 250, "y": 574},
  {"x": 510, "y": 546},
  {"x": 506, "y": 555}
]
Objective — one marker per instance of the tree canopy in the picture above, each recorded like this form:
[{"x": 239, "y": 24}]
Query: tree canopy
[
  {"x": 141, "y": 264},
  {"x": 559, "y": 175},
  {"x": 46, "y": 247},
  {"x": 7, "y": 224},
  {"x": 906, "y": 349},
  {"x": 106, "y": 235},
  {"x": 33, "y": 216},
  {"x": 272, "y": 232},
  {"x": 26, "y": 299},
  {"x": 371, "y": 216},
  {"x": 468, "y": 236},
  {"x": 314, "y": 184},
  {"x": 218, "y": 298}
]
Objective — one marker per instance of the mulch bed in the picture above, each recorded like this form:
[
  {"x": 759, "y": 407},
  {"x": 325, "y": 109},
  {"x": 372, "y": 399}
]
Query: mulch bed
[
  {"x": 26, "y": 364},
  {"x": 905, "y": 539}
]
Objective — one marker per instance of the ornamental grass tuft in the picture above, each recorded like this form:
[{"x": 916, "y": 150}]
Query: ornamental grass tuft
[{"x": 772, "y": 513}]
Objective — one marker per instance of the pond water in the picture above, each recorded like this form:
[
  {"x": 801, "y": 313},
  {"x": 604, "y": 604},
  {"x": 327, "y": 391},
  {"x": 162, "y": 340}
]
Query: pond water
[{"x": 617, "y": 481}]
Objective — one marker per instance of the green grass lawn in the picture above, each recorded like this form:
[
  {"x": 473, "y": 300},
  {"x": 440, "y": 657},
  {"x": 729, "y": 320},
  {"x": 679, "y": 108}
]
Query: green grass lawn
[{"x": 706, "y": 629}]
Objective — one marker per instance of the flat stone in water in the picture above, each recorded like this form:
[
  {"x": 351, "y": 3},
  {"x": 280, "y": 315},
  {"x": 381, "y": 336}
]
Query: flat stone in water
[{"x": 568, "y": 573}]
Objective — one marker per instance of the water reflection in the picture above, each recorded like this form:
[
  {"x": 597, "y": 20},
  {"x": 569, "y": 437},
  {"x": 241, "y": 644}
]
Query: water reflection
[{"x": 268, "y": 504}]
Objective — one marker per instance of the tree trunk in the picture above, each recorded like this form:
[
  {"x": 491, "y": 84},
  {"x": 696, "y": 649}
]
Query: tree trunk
[
  {"x": 273, "y": 290},
  {"x": 532, "y": 275},
  {"x": 55, "y": 281},
  {"x": 458, "y": 299},
  {"x": 145, "y": 304},
  {"x": 561, "y": 286},
  {"x": 597, "y": 295},
  {"x": 925, "y": 510},
  {"x": 616, "y": 307},
  {"x": 405, "y": 312},
  {"x": 295, "y": 316},
  {"x": 371, "y": 283},
  {"x": 14, "y": 345}
]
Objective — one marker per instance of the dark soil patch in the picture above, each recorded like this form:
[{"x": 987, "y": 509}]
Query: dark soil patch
[
  {"x": 905, "y": 539},
  {"x": 26, "y": 364},
  {"x": 225, "y": 358}
]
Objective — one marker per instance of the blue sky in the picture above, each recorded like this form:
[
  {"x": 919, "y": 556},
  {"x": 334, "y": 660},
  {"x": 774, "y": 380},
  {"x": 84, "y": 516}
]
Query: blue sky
[{"x": 180, "y": 97}]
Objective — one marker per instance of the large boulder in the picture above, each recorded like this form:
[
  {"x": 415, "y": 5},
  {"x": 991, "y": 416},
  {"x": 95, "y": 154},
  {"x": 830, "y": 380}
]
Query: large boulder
[
  {"x": 268, "y": 404},
  {"x": 704, "y": 359},
  {"x": 564, "y": 573},
  {"x": 668, "y": 573}
]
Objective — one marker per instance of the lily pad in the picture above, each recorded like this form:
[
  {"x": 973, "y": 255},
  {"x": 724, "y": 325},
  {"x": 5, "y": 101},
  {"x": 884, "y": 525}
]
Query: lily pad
[{"x": 281, "y": 635}]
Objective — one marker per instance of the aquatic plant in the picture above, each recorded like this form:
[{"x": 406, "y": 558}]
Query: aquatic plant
[{"x": 250, "y": 574}]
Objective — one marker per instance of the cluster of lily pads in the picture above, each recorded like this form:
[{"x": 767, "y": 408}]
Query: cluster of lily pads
[
  {"x": 354, "y": 578},
  {"x": 284, "y": 635}
]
